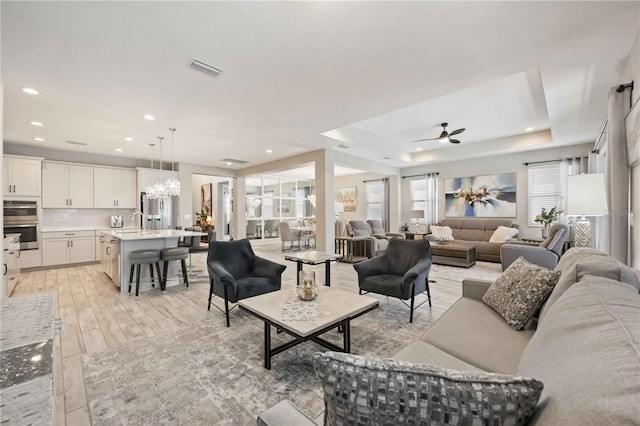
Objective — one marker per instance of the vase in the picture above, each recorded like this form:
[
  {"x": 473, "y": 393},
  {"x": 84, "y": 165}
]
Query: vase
[{"x": 545, "y": 232}]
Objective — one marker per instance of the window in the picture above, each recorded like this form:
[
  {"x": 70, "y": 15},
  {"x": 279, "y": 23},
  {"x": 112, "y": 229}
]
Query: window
[
  {"x": 374, "y": 199},
  {"x": 545, "y": 189},
  {"x": 418, "y": 189}
]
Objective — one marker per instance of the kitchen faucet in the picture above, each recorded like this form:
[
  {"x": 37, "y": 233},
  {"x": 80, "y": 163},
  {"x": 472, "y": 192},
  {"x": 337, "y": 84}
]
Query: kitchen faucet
[{"x": 133, "y": 216}]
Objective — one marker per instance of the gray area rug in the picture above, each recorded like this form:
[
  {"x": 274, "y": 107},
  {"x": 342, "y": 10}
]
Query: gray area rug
[{"x": 210, "y": 374}]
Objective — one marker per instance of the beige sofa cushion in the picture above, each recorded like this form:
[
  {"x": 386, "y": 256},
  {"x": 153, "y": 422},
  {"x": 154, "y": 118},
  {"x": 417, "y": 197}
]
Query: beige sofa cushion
[
  {"x": 586, "y": 354},
  {"x": 585, "y": 256},
  {"x": 420, "y": 352},
  {"x": 475, "y": 333}
]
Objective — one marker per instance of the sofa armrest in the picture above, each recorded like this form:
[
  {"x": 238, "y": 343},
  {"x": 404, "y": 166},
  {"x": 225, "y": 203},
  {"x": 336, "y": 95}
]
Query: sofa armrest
[
  {"x": 475, "y": 289},
  {"x": 284, "y": 413},
  {"x": 396, "y": 235}
]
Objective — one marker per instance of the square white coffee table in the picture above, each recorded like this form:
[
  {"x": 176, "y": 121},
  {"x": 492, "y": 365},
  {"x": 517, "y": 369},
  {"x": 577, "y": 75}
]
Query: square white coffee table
[{"x": 336, "y": 309}]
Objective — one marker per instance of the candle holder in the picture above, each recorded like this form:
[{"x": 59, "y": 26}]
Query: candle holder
[{"x": 307, "y": 288}]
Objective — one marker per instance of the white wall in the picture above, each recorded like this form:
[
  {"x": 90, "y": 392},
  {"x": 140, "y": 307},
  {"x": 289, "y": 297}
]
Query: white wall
[
  {"x": 356, "y": 181},
  {"x": 509, "y": 163}
]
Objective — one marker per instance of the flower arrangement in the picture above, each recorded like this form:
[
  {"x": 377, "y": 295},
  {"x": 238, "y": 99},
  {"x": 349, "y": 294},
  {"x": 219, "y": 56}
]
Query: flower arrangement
[
  {"x": 546, "y": 217},
  {"x": 311, "y": 221}
]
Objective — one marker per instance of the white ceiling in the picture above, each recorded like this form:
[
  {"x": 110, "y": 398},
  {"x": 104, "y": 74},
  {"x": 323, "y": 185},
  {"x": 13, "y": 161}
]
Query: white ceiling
[{"x": 375, "y": 75}]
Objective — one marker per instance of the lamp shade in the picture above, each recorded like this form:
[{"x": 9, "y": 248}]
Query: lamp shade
[
  {"x": 586, "y": 195},
  {"x": 339, "y": 207}
]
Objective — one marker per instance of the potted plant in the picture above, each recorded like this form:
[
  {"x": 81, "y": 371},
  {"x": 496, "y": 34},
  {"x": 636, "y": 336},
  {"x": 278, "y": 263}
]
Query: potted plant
[
  {"x": 546, "y": 217},
  {"x": 201, "y": 218}
]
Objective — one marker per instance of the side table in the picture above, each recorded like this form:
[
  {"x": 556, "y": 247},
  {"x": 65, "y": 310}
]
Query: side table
[{"x": 344, "y": 247}]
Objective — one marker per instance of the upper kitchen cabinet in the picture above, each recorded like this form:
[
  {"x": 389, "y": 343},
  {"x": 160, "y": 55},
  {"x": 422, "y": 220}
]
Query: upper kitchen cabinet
[
  {"x": 66, "y": 186},
  {"x": 21, "y": 176},
  {"x": 114, "y": 188}
]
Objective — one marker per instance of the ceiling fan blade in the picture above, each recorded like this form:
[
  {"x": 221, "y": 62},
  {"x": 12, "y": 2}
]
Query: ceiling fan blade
[
  {"x": 454, "y": 141},
  {"x": 422, "y": 140},
  {"x": 456, "y": 132}
]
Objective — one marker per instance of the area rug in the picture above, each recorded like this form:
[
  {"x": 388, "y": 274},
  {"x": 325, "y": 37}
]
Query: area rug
[
  {"x": 481, "y": 270},
  {"x": 210, "y": 374}
]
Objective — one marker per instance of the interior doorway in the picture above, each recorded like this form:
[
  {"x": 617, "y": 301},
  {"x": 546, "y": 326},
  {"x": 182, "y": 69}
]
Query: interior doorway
[{"x": 211, "y": 201}]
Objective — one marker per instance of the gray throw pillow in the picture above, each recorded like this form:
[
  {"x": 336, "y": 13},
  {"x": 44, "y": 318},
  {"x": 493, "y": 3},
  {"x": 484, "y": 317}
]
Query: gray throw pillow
[
  {"x": 520, "y": 291},
  {"x": 359, "y": 390}
]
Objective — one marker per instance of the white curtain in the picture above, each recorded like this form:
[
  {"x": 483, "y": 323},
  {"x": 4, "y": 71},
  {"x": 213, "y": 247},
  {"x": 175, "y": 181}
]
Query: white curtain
[
  {"x": 617, "y": 177},
  {"x": 568, "y": 167}
]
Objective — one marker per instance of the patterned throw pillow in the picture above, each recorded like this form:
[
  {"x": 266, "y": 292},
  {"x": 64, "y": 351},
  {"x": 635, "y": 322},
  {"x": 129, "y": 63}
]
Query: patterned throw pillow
[
  {"x": 520, "y": 291},
  {"x": 359, "y": 390}
]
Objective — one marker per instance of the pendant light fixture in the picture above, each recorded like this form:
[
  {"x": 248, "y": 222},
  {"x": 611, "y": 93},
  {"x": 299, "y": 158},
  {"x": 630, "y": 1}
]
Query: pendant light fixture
[
  {"x": 172, "y": 184},
  {"x": 151, "y": 190},
  {"x": 159, "y": 187}
]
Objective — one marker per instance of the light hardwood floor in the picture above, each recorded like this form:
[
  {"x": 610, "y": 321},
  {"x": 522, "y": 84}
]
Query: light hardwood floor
[{"x": 96, "y": 316}]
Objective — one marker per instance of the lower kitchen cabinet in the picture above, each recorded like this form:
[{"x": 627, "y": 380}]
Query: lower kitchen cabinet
[{"x": 60, "y": 248}]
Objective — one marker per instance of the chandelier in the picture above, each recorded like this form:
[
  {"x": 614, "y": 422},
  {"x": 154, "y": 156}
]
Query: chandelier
[
  {"x": 159, "y": 189},
  {"x": 172, "y": 185}
]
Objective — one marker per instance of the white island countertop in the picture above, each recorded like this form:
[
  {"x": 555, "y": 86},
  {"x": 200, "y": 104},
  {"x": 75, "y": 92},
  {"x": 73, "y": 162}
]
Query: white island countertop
[{"x": 148, "y": 234}]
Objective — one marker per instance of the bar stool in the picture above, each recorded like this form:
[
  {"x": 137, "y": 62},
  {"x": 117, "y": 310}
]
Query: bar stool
[
  {"x": 175, "y": 253},
  {"x": 144, "y": 257}
]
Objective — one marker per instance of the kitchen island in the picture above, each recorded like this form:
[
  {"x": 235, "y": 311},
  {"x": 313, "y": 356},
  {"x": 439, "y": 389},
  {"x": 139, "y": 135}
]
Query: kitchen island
[{"x": 117, "y": 244}]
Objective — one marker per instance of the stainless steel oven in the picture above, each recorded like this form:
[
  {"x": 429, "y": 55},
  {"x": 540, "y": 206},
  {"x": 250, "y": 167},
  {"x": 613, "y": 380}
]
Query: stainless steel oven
[{"x": 21, "y": 217}]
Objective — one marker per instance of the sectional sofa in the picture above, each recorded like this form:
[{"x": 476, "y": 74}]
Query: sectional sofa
[
  {"x": 583, "y": 346},
  {"x": 479, "y": 232}
]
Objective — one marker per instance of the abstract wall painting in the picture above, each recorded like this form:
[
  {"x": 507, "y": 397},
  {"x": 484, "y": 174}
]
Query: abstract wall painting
[
  {"x": 348, "y": 197},
  {"x": 481, "y": 196}
]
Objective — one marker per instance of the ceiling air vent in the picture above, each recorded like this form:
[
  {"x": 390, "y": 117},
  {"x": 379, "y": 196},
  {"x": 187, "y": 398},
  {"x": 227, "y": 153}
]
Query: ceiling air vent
[
  {"x": 207, "y": 69},
  {"x": 76, "y": 143},
  {"x": 234, "y": 161}
]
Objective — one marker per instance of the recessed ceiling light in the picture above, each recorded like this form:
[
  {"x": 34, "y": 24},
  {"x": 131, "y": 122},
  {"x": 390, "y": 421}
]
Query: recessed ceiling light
[
  {"x": 118, "y": 149},
  {"x": 36, "y": 123},
  {"x": 528, "y": 129},
  {"x": 229, "y": 163},
  {"x": 149, "y": 117},
  {"x": 30, "y": 91},
  {"x": 418, "y": 149},
  {"x": 269, "y": 151},
  {"x": 128, "y": 139},
  {"x": 39, "y": 139}
]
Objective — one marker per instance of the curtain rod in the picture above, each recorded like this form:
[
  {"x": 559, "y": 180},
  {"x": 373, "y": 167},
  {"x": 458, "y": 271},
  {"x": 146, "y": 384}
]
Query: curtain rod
[
  {"x": 596, "y": 146},
  {"x": 375, "y": 180},
  {"x": 552, "y": 161},
  {"x": 424, "y": 174}
]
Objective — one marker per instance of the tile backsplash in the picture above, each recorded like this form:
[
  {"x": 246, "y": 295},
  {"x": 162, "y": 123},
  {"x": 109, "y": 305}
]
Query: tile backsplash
[{"x": 60, "y": 218}]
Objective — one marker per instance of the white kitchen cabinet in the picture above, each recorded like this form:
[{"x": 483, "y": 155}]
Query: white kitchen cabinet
[
  {"x": 60, "y": 248},
  {"x": 21, "y": 176},
  {"x": 114, "y": 188},
  {"x": 67, "y": 186},
  {"x": 11, "y": 270}
]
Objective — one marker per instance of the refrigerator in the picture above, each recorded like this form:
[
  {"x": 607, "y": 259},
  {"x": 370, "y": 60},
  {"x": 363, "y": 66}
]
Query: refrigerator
[{"x": 160, "y": 213}]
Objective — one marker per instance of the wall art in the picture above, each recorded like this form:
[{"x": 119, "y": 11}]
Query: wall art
[
  {"x": 481, "y": 196},
  {"x": 348, "y": 197}
]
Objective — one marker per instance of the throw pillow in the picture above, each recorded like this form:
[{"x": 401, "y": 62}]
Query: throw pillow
[
  {"x": 359, "y": 390},
  {"x": 520, "y": 291},
  {"x": 441, "y": 233},
  {"x": 502, "y": 234}
]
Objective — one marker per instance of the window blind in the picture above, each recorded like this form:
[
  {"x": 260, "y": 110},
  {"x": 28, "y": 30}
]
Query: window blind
[{"x": 545, "y": 189}]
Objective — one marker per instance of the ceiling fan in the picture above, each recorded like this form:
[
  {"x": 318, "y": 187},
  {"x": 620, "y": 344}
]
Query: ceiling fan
[{"x": 444, "y": 136}]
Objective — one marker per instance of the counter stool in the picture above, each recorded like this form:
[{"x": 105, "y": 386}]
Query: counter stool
[
  {"x": 175, "y": 253},
  {"x": 144, "y": 257}
]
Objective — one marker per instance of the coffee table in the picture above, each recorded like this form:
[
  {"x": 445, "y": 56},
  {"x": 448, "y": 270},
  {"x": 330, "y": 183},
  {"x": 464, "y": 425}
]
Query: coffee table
[
  {"x": 314, "y": 258},
  {"x": 453, "y": 253},
  {"x": 336, "y": 309}
]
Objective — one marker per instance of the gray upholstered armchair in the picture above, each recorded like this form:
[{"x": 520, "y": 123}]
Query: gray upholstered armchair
[
  {"x": 236, "y": 273},
  {"x": 377, "y": 230},
  {"x": 402, "y": 272},
  {"x": 378, "y": 243},
  {"x": 546, "y": 254}
]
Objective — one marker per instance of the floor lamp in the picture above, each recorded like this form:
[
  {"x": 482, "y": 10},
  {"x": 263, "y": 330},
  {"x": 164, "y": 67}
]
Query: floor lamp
[{"x": 586, "y": 196}]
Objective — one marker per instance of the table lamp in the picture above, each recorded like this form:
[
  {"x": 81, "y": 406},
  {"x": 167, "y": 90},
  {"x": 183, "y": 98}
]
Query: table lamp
[
  {"x": 339, "y": 208},
  {"x": 586, "y": 196}
]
